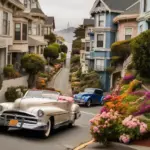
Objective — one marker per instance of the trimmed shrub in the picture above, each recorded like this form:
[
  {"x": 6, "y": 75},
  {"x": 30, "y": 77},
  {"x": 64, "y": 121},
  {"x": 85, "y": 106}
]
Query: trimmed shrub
[
  {"x": 57, "y": 46},
  {"x": 141, "y": 53},
  {"x": 12, "y": 93},
  {"x": 9, "y": 71},
  {"x": 64, "y": 48},
  {"x": 75, "y": 59},
  {"x": 121, "y": 48}
]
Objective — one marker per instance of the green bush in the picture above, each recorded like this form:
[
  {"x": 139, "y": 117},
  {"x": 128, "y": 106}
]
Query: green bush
[
  {"x": 63, "y": 57},
  {"x": 9, "y": 71},
  {"x": 131, "y": 98},
  {"x": 12, "y": 94},
  {"x": 57, "y": 46},
  {"x": 75, "y": 59},
  {"x": 141, "y": 53},
  {"x": 121, "y": 48},
  {"x": 79, "y": 73},
  {"x": 43, "y": 75},
  {"x": 51, "y": 52},
  {"x": 144, "y": 80},
  {"x": 64, "y": 48}
]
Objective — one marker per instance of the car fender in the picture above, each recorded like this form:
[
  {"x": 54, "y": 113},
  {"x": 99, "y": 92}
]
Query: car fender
[
  {"x": 102, "y": 98},
  {"x": 86, "y": 98}
]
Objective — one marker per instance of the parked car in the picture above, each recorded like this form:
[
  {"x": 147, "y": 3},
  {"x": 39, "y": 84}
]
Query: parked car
[
  {"x": 89, "y": 97},
  {"x": 39, "y": 110}
]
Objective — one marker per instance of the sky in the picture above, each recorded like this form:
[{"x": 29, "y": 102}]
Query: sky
[{"x": 64, "y": 11}]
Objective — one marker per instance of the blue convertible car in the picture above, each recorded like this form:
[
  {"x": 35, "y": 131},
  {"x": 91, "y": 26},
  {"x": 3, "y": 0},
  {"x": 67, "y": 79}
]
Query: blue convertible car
[{"x": 89, "y": 96}]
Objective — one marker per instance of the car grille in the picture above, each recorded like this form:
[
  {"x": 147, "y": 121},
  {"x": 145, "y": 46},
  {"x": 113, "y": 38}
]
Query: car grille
[{"x": 20, "y": 116}]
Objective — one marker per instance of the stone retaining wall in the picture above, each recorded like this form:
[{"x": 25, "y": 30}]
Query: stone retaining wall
[{"x": 22, "y": 81}]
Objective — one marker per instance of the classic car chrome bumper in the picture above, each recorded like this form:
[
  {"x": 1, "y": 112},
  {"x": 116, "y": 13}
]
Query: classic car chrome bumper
[
  {"x": 25, "y": 121},
  {"x": 79, "y": 102}
]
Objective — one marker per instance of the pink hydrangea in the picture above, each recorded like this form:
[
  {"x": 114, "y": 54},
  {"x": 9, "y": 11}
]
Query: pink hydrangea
[
  {"x": 96, "y": 130},
  {"x": 131, "y": 122},
  {"x": 125, "y": 138},
  {"x": 143, "y": 128}
]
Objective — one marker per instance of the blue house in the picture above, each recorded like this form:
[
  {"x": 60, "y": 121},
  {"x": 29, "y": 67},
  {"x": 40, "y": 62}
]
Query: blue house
[
  {"x": 144, "y": 18},
  {"x": 103, "y": 12}
]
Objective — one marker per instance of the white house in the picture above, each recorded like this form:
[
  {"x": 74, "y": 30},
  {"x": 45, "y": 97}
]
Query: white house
[{"x": 7, "y": 9}]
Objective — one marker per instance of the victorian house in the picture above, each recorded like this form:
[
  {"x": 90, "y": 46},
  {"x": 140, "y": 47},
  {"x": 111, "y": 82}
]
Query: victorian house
[
  {"x": 87, "y": 43},
  {"x": 8, "y": 8},
  {"x": 144, "y": 18},
  {"x": 127, "y": 29},
  {"x": 105, "y": 31},
  {"x": 23, "y": 26}
]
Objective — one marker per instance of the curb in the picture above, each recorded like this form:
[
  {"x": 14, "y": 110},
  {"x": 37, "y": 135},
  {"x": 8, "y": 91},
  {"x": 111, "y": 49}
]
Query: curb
[
  {"x": 54, "y": 78},
  {"x": 83, "y": 145}
]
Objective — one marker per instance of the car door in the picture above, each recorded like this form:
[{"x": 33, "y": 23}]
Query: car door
[{"x": 99, "y": 94}]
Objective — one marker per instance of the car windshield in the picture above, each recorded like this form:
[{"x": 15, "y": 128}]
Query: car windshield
[
  {"x": 91, "y": 91},
  {"x": 42, "y": 94}
]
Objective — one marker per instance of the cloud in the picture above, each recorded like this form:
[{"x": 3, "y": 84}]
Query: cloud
[{"x": 64, "y": 11}]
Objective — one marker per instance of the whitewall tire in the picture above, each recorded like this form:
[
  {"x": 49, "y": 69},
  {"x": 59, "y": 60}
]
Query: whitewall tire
[{"x": 47, "y": 132}]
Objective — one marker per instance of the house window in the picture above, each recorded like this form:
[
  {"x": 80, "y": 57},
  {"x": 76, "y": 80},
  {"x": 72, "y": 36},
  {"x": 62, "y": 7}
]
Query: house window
[
  {"x": 25, "y": 3},
  {"x": 45, "y": 31},
  {"x": 99, "y": 65},
  {"x": 24, "y": 32},
  {"x": 5, "y": 23},
  {"x": 101, "y": 19},
  {"x": 34, "y": 29},
  {"x": 128, "y": 33},
  {"x": 39, "y": 29},
  {"x": 100, "y": 40},
  {"x": 88, "y": 47},
  {"x": 29, "y": 29},
  {"x": 17, "y": 31}
]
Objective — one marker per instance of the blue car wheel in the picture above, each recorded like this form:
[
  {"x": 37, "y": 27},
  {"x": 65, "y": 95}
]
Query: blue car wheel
[{"x": 88, "y": 103}]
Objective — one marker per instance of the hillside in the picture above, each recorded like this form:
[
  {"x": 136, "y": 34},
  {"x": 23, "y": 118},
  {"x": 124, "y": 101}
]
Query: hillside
[{"x": 67, "y": 34}]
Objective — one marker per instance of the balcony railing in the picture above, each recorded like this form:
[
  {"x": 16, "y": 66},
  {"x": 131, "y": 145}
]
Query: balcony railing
[{"x": 99, "y": 68}]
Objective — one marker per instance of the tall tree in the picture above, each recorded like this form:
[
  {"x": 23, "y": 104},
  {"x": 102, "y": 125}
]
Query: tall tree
[
  {"x": 32, "y": 63},
  {"x": 51, "y": 38},
  {"x": 79, "y": 32}
]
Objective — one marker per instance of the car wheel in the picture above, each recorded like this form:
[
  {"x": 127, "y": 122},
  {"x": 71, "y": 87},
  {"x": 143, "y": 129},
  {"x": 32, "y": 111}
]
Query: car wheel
[
  {"x": 102, "y": 103},
  {"x": 46, "y": 133},
  {"x": 73, "y": 122},
  {"x": 88, "y": 104}
]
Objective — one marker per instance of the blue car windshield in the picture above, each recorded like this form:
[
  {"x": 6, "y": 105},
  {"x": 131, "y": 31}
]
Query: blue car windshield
[{"x": 90, "y": 91}]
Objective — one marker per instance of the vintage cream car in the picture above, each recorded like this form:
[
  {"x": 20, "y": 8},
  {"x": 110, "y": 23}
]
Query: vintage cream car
[{"x": 39, "y": 110}]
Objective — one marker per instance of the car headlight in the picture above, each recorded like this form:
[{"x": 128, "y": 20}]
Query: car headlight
[
  {"x": 1, "y": 108},
  {"x": 40, "y": 113}
]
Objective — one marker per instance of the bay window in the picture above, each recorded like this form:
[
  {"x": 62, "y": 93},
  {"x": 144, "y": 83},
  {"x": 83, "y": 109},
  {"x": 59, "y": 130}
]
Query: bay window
[
  {"x": 128, "y": 33},
  {"x": 17, "y": 31},
  {"x": 6, "y": 24},
  {"x": 99, "y": 65},
  {"x": 21, "y": 32},
  {"x": 101, "y": 19},
  {"x": 36, "y": 29},
  {"x": 25, "y": 3},
  {"x": 100, "y": 40},
  {"x": 29, "y": 29}
]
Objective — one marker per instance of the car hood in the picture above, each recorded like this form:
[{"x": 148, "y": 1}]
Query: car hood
[
  {"x": 80, "y": 95},
  {"x": 26, "y": 103}
]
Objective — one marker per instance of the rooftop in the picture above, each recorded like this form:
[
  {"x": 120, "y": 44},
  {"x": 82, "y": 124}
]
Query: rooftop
[{"x": 88, "y": 22}]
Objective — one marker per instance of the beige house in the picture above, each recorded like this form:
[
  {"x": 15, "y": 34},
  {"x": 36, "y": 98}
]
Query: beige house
[
  {"x": 88, "y": 43},
  {"x": 22, "y": 29},
  {"x": 7, "y": 9}
]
